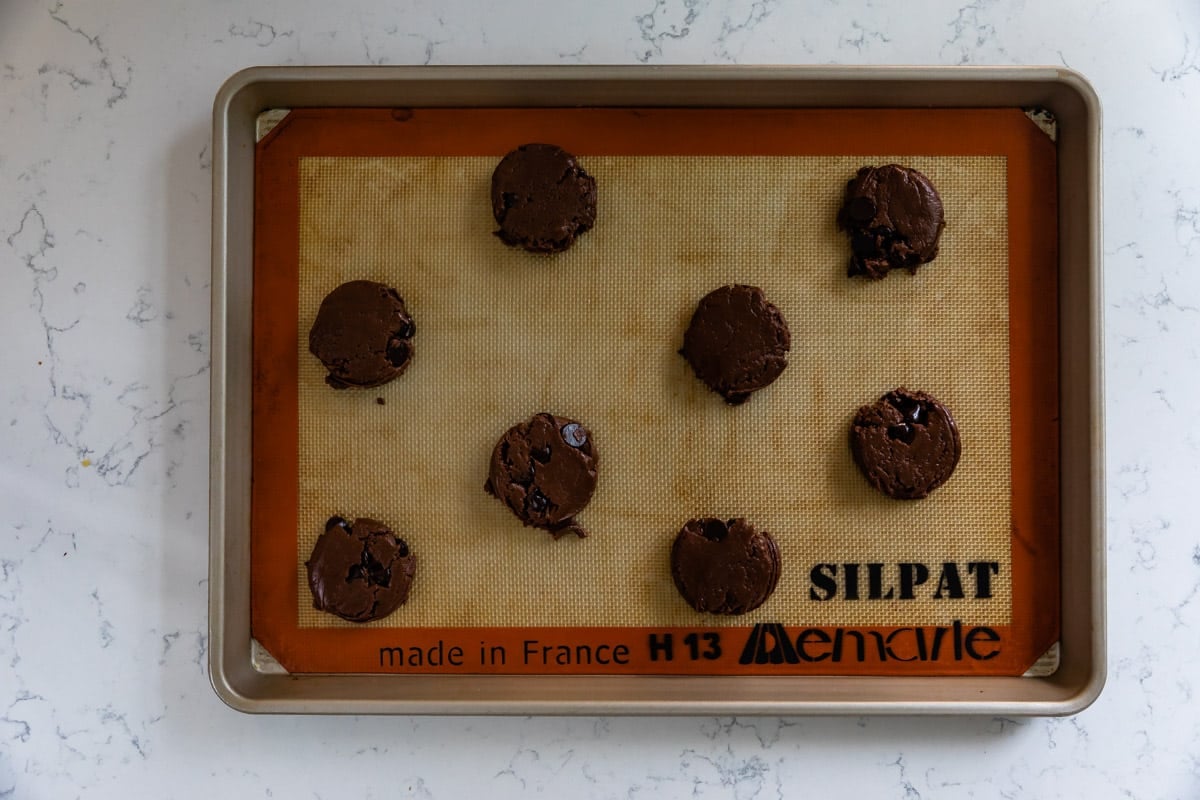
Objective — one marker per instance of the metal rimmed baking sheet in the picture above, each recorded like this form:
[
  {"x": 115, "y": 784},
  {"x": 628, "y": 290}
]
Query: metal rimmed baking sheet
[{"x": 1074, "y": 108}]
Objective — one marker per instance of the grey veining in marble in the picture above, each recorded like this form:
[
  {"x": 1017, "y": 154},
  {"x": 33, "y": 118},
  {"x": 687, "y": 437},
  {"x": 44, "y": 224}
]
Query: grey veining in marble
[{"x": 104, "y": 243}]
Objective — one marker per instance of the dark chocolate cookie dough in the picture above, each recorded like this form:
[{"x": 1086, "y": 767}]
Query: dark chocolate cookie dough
[
  {"x": 359, "y": 572},
  {"x": 724, "y": 567},
  {"x": 894, "y": 218},
  {"x": 544, "y": 470},
  {"x": 542, "y": 199},
  {"x": 906, "y": 444},
  {"x": 362, "y": 334},
  {"x": 737, "y": 342}
]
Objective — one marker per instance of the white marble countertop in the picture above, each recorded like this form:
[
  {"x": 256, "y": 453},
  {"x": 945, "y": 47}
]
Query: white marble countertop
[{"x": 104, "y": 259}]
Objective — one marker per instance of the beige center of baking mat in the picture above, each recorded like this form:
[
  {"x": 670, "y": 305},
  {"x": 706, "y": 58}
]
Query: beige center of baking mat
[{"x": 593, "y": 334}]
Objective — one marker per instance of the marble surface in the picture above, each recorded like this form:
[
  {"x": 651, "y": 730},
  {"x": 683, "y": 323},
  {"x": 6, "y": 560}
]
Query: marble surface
[{"x": 104, "y": 249}]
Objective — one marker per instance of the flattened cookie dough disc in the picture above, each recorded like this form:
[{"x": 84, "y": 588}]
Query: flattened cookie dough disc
[
  {"x": 544, "y": 470},
  {"x": 724, "y": 566},
  {"x": 736, "y": 342},
  {"x": 363, "y": 335},
  {"x": 906, "y": 444},
  {"x": 894, "y": 217},
  {"x": 542, "y": 199},
  {"x": 361, "y": 571}
]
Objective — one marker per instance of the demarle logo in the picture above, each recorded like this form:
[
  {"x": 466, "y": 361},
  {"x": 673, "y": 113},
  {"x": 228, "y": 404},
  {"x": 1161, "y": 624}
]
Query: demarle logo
[{"x": 769, "y": 644}]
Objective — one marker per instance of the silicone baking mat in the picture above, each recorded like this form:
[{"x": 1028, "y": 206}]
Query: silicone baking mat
[{"x": 592, "y": 334}]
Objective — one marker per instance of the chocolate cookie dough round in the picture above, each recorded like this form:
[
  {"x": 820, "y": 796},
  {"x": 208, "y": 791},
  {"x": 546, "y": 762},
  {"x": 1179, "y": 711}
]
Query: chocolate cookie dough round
[
  {"x": 906, "y": 444},
  {"x": 724, "y": 567},
  {"x": 362, "y": 334},
  {"x": 544, "y": 470},
  {"x": 894, "y": 217},
  {"x": 360, "y": 571},
  {"x": 542, "y": 199},
  {"x": 737, "y": 342}
]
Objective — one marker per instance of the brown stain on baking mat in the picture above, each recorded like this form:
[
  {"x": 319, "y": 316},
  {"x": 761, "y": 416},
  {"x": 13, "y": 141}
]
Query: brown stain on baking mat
[{"x": 689, "y": 200}]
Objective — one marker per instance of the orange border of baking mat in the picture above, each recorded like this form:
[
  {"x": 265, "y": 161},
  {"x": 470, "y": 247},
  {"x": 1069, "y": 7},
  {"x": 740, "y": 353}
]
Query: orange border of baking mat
[{"x": 1033, "y": 374}]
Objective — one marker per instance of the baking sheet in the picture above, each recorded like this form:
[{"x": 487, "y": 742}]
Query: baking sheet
[{"x": 234, "y": 668}]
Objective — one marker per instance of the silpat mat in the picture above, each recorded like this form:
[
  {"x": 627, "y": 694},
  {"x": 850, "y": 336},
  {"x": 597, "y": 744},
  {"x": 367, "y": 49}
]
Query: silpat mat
[{"x": 593, "y": 333}]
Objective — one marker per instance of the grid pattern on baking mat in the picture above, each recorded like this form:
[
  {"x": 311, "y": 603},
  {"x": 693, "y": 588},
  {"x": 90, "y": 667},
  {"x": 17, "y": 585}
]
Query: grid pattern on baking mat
[{"x": 592, "y": 334}]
